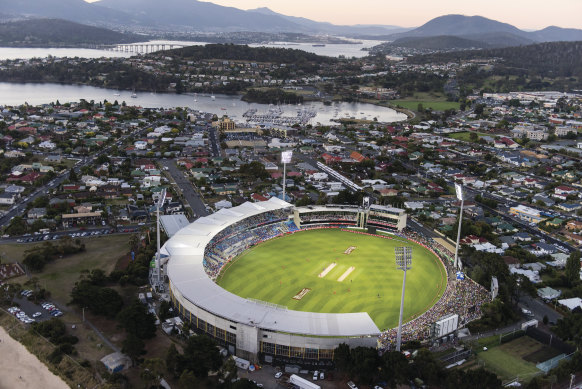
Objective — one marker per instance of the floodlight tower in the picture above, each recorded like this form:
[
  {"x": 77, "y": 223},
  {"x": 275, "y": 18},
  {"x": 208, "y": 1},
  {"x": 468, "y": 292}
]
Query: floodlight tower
[
  {"x": 159, "y": 204},
  {"x": 460, "y": 197},
  {"x": 285, "y": 158},
  {"x": 404, "y": 263}
]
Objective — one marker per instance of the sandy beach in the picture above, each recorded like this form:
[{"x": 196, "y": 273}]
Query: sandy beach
[{"x": 20, "y": 369}]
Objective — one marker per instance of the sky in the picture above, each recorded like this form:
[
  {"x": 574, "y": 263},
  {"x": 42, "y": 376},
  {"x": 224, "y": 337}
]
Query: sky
[{"x": 524, "y": 14}]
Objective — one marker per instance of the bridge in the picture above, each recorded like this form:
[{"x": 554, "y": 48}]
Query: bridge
[{"x": 144, "y": 48}]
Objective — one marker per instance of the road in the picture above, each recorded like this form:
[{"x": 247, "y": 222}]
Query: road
[
  {"x": 539, "y": 309},
  {"x": 214, "y": 142},
  {"x": 190, "y": 195}
]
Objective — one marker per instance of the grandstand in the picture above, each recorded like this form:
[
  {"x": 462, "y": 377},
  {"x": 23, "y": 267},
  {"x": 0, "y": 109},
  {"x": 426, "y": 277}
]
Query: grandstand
[{"x": 198, "y": 252}]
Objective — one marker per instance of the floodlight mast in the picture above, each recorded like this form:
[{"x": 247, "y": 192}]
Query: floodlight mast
[
  {"x": 461, "y": 197},
  {"x": 404, "y": 263},
  {"x": 159, "y": 204},
  {"x": 285, "y": 158}
]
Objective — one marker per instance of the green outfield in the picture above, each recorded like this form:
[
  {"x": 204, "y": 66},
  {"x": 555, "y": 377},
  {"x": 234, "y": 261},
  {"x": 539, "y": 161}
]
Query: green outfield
[{"x": 302, "y": 271}]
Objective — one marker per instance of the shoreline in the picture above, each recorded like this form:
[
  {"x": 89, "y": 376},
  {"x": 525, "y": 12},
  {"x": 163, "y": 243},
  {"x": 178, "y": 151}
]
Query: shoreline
[{"x": 23, "y": 369}]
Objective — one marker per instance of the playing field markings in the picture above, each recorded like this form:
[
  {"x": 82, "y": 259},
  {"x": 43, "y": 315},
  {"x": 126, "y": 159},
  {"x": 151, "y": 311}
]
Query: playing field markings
[
  {"x": 350, "y": 249},
  {"x": 327, "y": 270},
  {"x": 301, "y": 293},
  {"x": 346, "y": 273}
]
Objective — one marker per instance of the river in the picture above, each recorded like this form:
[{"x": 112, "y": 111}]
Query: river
[
  {"x": 233, "y": 106},
  {"x": 333, "y": 50}
]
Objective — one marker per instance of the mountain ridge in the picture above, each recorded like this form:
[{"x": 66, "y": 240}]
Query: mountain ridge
[
  {"x": 479, "y": 27},
  {"x": 194, "y": 16}
]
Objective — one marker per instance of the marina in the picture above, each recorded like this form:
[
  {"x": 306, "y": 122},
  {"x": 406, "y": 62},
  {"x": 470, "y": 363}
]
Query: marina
[{"x": 231, "y": 105}]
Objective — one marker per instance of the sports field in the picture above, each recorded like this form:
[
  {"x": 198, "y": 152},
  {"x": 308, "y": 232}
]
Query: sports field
[{"x": 334, "y": 271}]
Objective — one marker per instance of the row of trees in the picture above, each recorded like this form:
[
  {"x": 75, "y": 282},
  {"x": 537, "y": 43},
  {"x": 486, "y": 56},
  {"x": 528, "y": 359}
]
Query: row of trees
[{"x": 366, "y": 366}]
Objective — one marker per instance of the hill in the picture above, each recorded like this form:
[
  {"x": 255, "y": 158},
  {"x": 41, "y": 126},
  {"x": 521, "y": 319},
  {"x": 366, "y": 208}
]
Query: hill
[
  {"x": 371, "y": 31},
  {"x": 179, "y": 15},
  {"x": 442, "y": 42},
  {"x": 550, "y": 59},
  {"x": 57, "y": 32},
  {"x": 490, "y": 33},
  {"x": 460, "y": 25},
  {"x": 74, "y": 10},
  {"x": 246, "y": 53}
]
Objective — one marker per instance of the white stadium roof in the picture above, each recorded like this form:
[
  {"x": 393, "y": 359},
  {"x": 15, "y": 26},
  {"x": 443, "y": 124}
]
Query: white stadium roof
[
  {"x": 173, "y": 223},
  {"x": 187, "y": 275}
]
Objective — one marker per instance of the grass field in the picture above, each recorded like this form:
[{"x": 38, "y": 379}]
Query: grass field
[
  {"x": 518, "y": 357},
  {"x": 466, "y": 136},
  {"x": 432, "y": 104},
  {"x": 60, "y": 276},
  {"x": 279, "y": 269}
]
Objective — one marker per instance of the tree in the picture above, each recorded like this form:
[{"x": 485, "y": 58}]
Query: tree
[
  {"x": 394, "y": 368},
  {"x": 17, "y": 226},
  {"x": 136, "y": 320},
  {"x": 133, "y": 347},
  {"x": 342, "y": 357},
  {"x": 152, "y": 370},
  {"x": 73, "y": 175},
  {"x": 477, "y": 378},
  {"x": 228, "y": 371},
  {"x": 573, "y": 267},
  {"x": 164, "y": 311},
  {"x": 8, "y": 292},
  {"x": 188, "y": 380},
  {"x": 99, "y": 300},
  {"x": 201, "y": 356},
  {"x": 173, "y": 360}
]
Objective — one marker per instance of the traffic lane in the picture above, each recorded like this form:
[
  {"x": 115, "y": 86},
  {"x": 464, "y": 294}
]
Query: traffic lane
[
  {"x": 190, "y": 195},
  {"x": 539, "y": 309}
]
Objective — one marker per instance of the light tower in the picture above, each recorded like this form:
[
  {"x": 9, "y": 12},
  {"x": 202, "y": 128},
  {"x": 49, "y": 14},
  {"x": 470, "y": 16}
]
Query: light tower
[
  {"x": 461, "y": 197},
  {"x": 159, "y": 204},
  {"x": 285, "y": 159},
  {"x": 404, "y": 263}
]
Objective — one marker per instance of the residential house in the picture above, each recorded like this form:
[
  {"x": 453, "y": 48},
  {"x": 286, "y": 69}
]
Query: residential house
[{"x": 8, "y": 198}]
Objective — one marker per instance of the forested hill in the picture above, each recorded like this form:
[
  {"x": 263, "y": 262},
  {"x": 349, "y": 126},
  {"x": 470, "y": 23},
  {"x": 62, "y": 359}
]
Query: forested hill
[
  {"x": 246, "y": 53},
  {"x": 441, "y": 42},
  {"x": 58, "y": 33},
  {"x": 549, "y": 59}
]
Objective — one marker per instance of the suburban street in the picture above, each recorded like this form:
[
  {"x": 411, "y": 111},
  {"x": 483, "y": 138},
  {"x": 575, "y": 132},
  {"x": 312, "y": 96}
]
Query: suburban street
[{"x": 186, "y": 188}]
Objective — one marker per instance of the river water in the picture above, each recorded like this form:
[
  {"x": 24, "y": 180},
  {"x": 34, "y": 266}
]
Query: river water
[
  {"x": 233, "y": 106},
  {"x": 333, "y": 50},
  {"x": 35, "y": 94}
]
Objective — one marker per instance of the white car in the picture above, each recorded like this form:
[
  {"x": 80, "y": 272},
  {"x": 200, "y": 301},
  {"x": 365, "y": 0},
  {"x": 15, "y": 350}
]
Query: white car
[
  {"x": 36, "y": 314},
  {"x": 278, "y": 375}
]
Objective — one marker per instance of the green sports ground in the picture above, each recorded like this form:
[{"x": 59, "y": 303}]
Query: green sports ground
[{"x": 313, "y": 261}]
